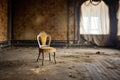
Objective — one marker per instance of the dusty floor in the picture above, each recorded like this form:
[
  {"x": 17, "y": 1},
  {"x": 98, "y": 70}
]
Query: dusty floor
[{"x": 20, "y": 63}]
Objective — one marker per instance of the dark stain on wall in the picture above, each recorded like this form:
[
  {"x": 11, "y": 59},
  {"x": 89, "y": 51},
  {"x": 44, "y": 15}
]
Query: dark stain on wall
[
  {"x": 33, "y": 16},
  {"x": 3, "y": 20}
]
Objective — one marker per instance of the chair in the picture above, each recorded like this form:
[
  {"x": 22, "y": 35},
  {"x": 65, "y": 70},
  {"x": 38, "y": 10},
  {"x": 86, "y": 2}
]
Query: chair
[{"x": 42, "y": 39}]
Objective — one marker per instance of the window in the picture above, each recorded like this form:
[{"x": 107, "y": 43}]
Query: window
[{"x": 94, "y": 18}]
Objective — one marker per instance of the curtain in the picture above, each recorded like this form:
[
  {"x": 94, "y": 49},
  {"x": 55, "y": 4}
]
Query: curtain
[
  {"x": 94, "y": 22},
  {"x": 118, "y": 16}
]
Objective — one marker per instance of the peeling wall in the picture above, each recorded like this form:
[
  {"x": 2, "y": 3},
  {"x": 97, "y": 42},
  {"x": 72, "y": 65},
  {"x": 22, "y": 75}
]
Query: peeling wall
[
  {"x": 32, "y": 16},
  {"x": 3, "y": 20}
]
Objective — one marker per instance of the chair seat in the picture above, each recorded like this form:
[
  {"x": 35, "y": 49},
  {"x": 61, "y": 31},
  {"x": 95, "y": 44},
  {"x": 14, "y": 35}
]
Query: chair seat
[{"x": 47, "y": 49}]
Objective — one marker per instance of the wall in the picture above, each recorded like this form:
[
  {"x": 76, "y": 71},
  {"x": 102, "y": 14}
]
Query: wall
[
  {"x": 32, "y": 16},
  {"x": 3, "y": 20}
]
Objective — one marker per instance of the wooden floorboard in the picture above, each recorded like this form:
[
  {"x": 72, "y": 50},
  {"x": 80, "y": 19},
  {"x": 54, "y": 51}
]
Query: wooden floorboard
[
  {"x": 116, "y": 64},
  {"x": 93, "y": 72},
  {"x": 88, "y": 77},
  {"x": 101, "y": 71},
  {"x": 104, "y": 70},
  {"x": 111, "y": 68}
]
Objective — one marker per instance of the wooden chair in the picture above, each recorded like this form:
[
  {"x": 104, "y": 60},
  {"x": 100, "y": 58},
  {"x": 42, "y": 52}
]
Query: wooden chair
[{"x": 42, "y": 38}]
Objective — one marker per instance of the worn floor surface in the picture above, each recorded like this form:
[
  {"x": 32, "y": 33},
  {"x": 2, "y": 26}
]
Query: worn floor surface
[{"x": 72, "y": 64}]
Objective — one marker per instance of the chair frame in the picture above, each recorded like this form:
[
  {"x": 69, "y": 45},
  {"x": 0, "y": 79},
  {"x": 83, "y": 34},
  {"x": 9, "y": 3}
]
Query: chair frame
[{"x": 43, "y": 45}]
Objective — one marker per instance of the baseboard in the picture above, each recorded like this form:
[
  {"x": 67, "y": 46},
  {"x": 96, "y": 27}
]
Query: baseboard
[
  {"x": 4, "y": 44},
  {"x": 33, "y": 43}
]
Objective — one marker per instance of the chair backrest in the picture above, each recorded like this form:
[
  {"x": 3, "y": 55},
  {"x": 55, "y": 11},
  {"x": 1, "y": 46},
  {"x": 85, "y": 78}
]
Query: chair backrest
[{"x": 42, "y": 39}]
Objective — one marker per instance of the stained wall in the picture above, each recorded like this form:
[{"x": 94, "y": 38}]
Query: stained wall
[
  {"x": 33, "y": 16},
  {"x": 3, "y": 20}
]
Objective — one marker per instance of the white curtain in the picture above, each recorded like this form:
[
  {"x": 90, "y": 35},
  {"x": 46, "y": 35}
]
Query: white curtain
[
  {"x": 94, "y": 18},
  {"x": 94, "y": 22}
]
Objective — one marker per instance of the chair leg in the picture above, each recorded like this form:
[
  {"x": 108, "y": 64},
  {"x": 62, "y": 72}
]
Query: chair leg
[
  {"x": 49, "y": 57},
  {"x": 42, "y": 58},
  {"x": 38, "y": 55},
  {"x": 54, "y": 58}
]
